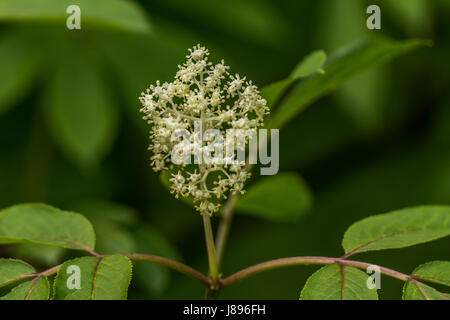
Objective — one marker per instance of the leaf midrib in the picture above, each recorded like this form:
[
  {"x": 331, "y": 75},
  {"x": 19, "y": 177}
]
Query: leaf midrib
[{"x": 352, "y": 252}]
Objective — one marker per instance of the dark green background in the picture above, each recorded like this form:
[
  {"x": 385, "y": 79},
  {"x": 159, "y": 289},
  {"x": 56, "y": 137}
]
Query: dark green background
[{"x": 381, "y": 142}]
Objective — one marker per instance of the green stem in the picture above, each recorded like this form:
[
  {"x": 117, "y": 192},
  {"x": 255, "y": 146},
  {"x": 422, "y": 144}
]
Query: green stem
[{"x": 212, "y": 258}]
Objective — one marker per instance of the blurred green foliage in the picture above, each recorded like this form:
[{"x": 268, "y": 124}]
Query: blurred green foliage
[{"x": 71, "y": 134}]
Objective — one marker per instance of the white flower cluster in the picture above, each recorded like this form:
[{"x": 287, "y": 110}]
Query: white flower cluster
[{"x": 206, "y": 96}]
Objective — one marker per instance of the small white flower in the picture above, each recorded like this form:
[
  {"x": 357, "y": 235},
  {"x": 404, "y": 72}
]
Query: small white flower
[{"x": 206, "y": 93}]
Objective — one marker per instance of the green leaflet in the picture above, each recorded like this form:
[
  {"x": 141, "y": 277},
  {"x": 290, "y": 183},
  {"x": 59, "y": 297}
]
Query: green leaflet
[
  {"x": 13, "y": 270},
  {"x": 43, "y": 224},
  {"x": 36, "y": 289},
  {"x": 436, "y": 272},
  {"x": 113, "y": 278},
  {"x": 310, "y": 65},
  {"x": 81, "y": 112},
  {"x": 116, "y": 14},
  {"x": 284, "y": 197},
  {"x": 105, "y": 278},
  {"x": 326, "y": 284},
  {"x": 398, "y": 229},
  {"x": 414, "y": 290},
  {"x": 87, "y": 267},
  {"x": 365, "y": 56}
]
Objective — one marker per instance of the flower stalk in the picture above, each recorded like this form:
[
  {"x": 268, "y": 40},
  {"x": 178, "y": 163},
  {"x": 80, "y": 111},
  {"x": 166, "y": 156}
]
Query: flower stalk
[{"x": 212, "y": 258}]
